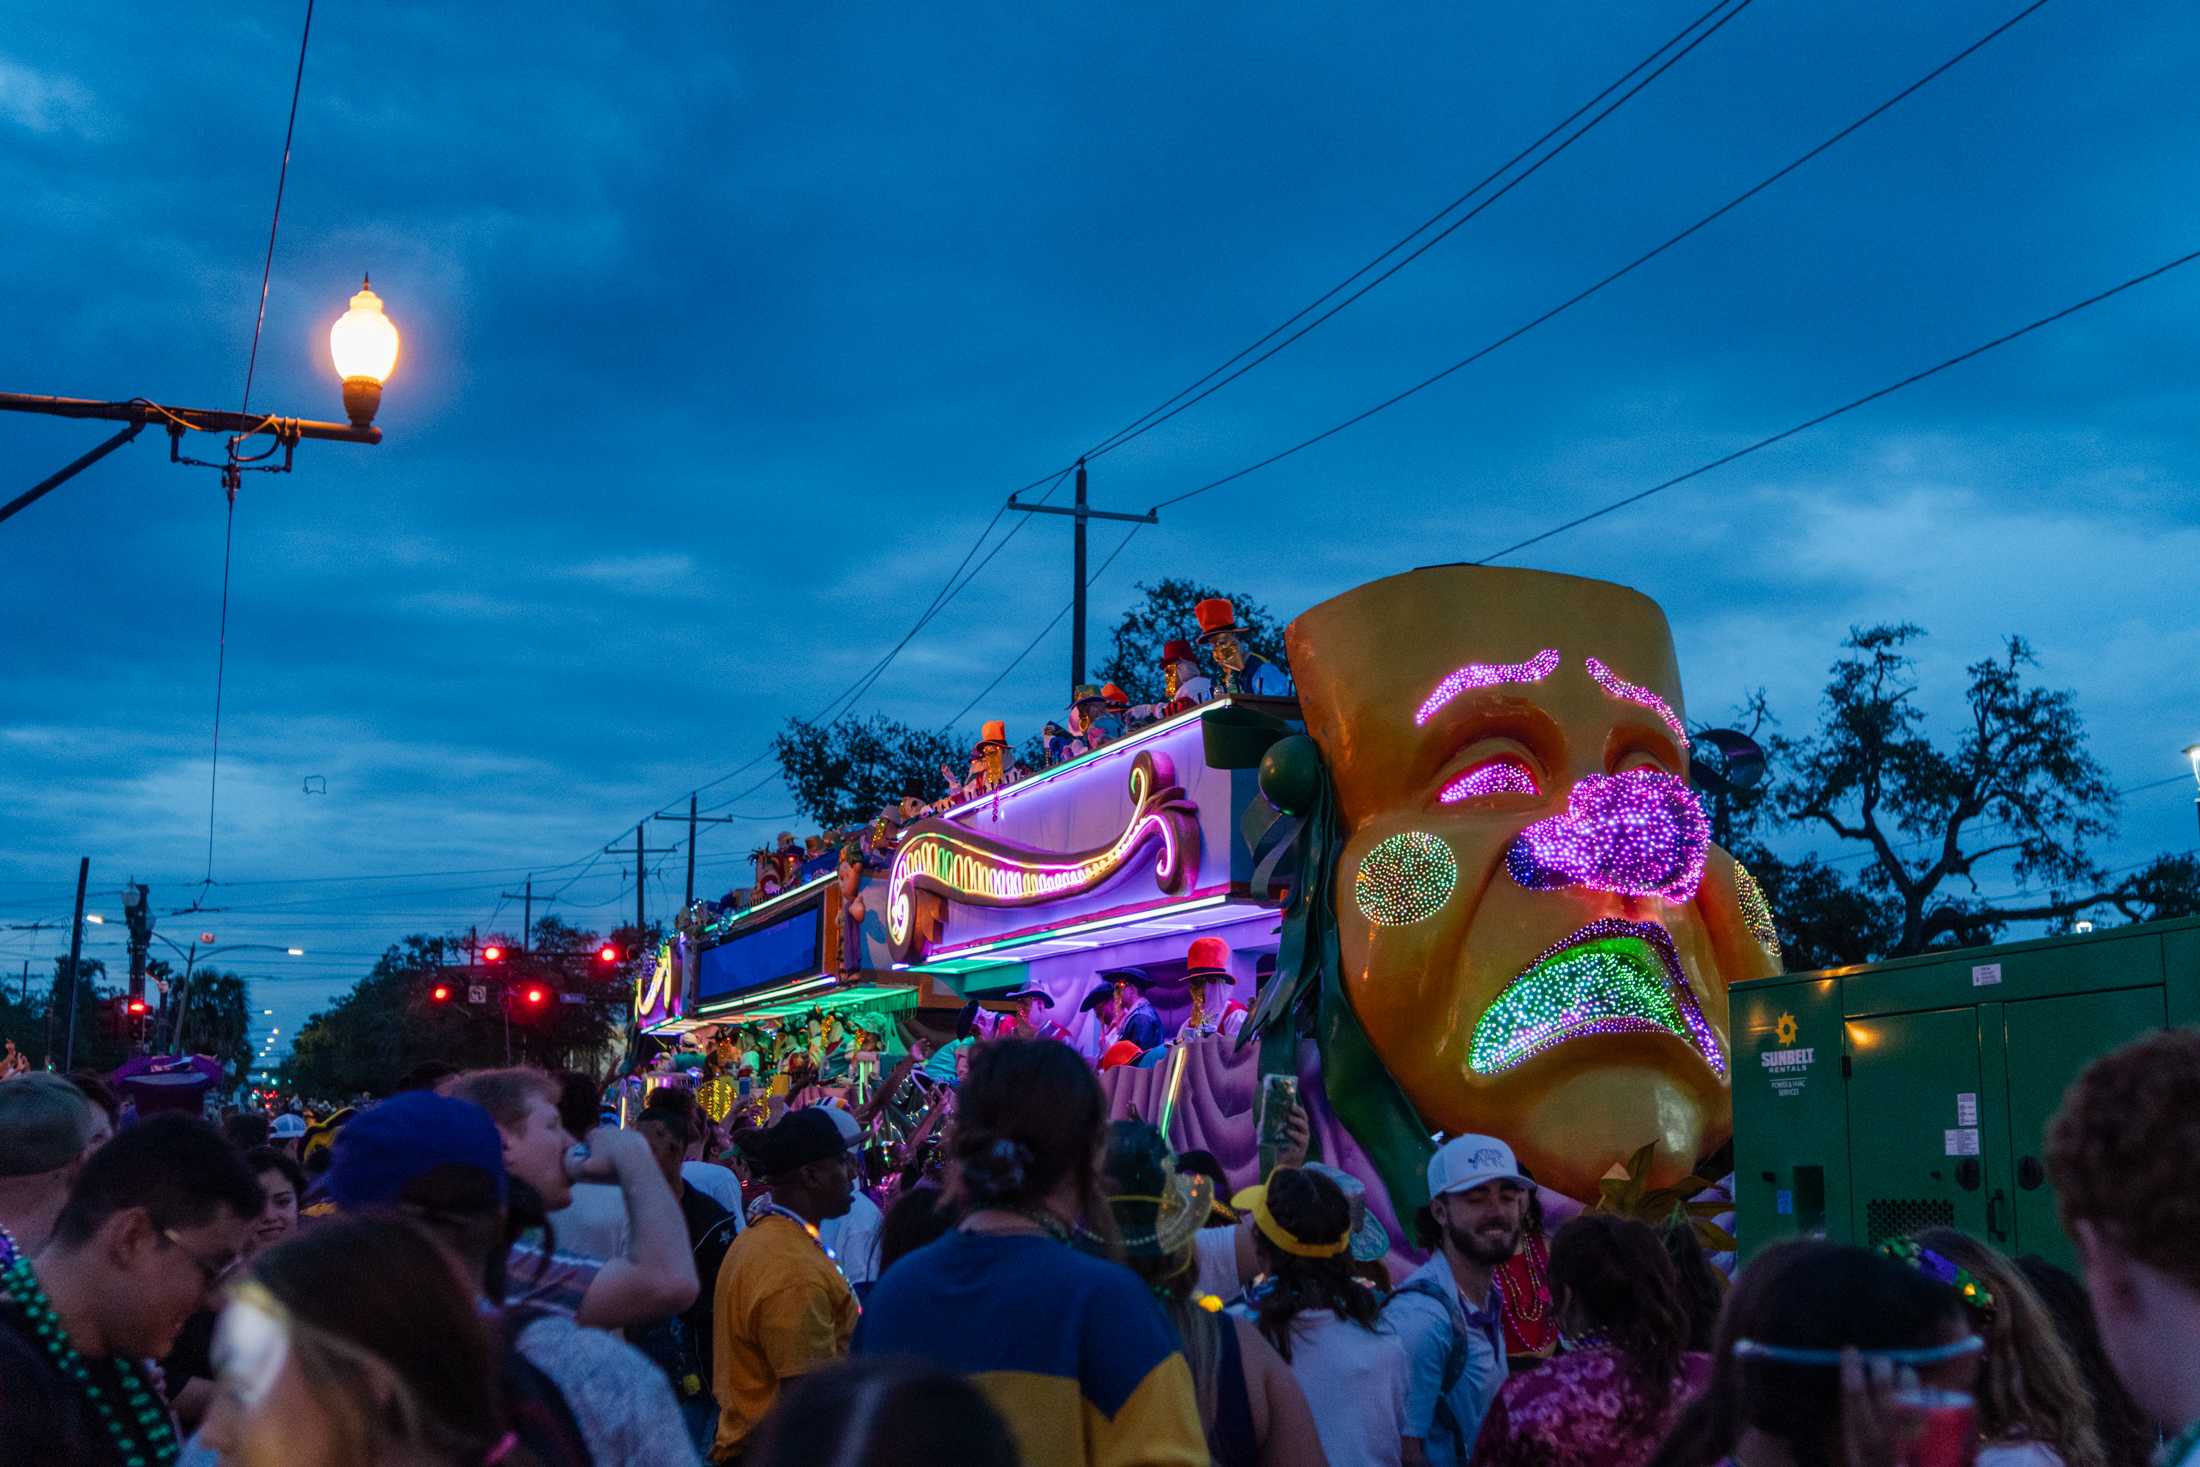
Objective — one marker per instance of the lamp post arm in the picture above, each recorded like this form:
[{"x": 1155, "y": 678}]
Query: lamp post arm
[{"x": 55, "y": 480}]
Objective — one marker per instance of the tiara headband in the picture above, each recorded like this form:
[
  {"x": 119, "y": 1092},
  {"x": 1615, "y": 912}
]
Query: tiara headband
[
  {"x": 1800, "y": 1355},
  {"x": 1942, "y": 1269}
]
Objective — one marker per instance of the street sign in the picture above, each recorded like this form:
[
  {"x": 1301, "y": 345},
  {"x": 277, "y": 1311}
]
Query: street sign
[
  {"x": 572, "y": 998},
  {"x": 477, "y": 993}
]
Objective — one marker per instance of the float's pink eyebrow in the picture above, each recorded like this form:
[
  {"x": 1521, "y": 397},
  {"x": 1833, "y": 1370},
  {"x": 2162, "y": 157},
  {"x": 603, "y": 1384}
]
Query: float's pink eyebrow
[
  {"x": 1628, "y": 692},
  {"x": 1487, "y": 675}
]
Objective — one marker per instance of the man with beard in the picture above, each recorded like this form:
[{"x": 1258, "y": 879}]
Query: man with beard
[{"x": 1448, "y": 1314}]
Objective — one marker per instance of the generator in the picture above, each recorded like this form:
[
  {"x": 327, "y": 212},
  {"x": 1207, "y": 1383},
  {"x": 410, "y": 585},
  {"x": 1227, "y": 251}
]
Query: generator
[{"x": 1875, "y": 1100}]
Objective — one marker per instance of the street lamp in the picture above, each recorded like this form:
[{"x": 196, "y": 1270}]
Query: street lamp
[{"x": 363, "y": 345}]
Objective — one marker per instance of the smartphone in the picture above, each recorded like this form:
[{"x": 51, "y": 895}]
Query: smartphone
[{"x": 1278, "y": 1095}]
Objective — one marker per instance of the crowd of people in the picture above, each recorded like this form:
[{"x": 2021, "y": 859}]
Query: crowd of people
[{"x": 482, "y": 1274}]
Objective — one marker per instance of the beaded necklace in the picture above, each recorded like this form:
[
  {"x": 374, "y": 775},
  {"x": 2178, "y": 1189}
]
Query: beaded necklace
[
  {"x": 147, "y": 1438},
  {"x": 764, "y": 1207}
]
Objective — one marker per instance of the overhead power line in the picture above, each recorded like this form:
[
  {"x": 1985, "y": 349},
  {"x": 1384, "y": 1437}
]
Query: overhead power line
[
  {"x": 1629, "y": 268},
  {"x": 1848, "y": 407},
  {"x": 1198, "y": 391}
]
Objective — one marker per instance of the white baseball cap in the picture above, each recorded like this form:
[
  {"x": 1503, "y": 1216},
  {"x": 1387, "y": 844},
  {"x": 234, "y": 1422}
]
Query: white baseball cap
[
  {"x": 851, "y": 1131},
  {"x": 1466, "y": 1162},
  {"x": 288, "y": 1127}
]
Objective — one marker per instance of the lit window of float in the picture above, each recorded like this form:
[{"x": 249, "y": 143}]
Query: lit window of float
[
  {"x": 1406, "y": 878},
  {"x": 1628, "y": 692},
  {"x": 1487, "y": 675},
  {"x": 1497, "y": 777},
  {"x": 1756, "y": 911}
]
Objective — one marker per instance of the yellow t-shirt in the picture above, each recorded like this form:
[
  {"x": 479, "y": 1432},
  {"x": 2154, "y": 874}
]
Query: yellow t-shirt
[{"x": 782, "y": 1310}]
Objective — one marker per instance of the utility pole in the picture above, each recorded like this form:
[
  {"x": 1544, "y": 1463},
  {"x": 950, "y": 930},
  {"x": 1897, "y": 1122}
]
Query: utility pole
[
  {"x": 1081, "y": 511},
  {"x": 76, "y": 952},
  {"x": 526, "y": 898},
  {"x": 694, "y": 820},
  {"x": 641, "y": 875}
]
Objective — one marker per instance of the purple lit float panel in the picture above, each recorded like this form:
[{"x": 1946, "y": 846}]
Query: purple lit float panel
[
  {"x": 1640, "y": 833},
  {"x": 1497, "y": 777},
  {"x": 1087, "y": 807}
]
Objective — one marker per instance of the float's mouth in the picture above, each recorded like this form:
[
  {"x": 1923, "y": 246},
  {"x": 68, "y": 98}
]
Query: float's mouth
[{"x": 1611, "y": 977}]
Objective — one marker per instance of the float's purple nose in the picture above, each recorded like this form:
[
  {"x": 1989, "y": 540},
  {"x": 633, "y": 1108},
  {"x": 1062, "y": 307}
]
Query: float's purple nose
[{"x": 1641, "y": 833}]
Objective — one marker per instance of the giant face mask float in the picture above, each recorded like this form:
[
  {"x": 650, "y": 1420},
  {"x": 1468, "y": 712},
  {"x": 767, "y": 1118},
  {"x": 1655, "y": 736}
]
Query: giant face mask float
[{"x": 1533, "y": 931}]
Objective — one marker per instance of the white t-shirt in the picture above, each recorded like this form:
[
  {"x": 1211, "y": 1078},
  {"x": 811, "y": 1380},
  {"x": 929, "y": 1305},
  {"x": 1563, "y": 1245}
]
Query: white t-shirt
[
  {"x": 1355, "y": 1383},
  {"x": 855, "y": 1239},
  {"x": 1214, "y": 1251},
  {"x": 593, "y": 1224},
  {"x": 718, "y": 1184}
]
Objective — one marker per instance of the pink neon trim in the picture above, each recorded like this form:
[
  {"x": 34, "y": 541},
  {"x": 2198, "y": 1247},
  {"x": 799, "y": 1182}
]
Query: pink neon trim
[
  {"x": 1629, "y": 692},
  {"x": 1486, "y": 675},
  {"x": 1497, "y": 777}
]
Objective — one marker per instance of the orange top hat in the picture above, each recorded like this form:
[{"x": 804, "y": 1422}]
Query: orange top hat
[
  {"x": 1215, "y": 616},
  {"x": 1176, "y": 649},
  {"x": 1120, "y": 1053},
  {"x": 995, "y": 732},
  {"x": 1116, "y": 697},
  {"x": 1208, "y": 957}
]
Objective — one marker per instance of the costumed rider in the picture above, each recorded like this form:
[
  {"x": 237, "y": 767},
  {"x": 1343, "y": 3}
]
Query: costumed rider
[
  {"x": 1125, "y": 1015},
  {"x": 1243, "y": 671},
  {"x": 1207, "y": 971},
  {"x": 1183, "y": 683},
  {"x": 1093, "y": 724}
]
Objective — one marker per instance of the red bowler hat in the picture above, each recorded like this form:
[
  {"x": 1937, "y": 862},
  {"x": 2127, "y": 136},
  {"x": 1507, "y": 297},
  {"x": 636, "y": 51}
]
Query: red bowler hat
[
  {"x": 1208, "y": 957},
  {"x": 1215, "y": 616},
  {"x": 1176, "y": 649}
]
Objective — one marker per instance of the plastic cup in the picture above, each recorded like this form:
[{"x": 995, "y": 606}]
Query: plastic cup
[{"x": 1938, "y": 1428}]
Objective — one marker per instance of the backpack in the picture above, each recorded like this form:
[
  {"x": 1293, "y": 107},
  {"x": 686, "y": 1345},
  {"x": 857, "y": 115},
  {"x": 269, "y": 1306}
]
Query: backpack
[
  {"x": 1455, "y": 1358},
  {"x": 533, "y": 1405}
]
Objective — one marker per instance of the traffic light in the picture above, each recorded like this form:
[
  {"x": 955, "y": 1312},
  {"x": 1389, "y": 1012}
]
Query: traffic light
[
  {"x": 534, "y": 995},
  {"x": 441, "y": 993},
  {"x": 492, "y": 954},
  {"x": 135, "y": 1008},
  {"x": 607, "y": 954}
]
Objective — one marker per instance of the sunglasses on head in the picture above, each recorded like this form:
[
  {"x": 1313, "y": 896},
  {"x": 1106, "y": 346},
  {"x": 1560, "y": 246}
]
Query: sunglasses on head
[{"x": 1799, "y": 1355}]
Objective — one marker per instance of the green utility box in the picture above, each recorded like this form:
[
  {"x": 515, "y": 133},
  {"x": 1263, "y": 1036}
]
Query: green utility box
[{"x": 1873, "y": 1101}]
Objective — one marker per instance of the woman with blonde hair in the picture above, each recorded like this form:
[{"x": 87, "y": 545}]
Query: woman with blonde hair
[{"x": 2033, "y": 1409}]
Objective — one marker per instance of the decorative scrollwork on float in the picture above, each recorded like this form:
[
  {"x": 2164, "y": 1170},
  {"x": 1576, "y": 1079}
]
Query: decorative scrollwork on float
[{"x": 950, "y": 861}]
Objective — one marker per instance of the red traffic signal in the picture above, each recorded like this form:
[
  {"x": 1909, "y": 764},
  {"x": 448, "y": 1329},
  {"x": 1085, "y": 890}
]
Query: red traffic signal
[
  {"x": 441, "y": 993},
  {"x": 607, "y": 954},
  {"x": 535, "y": 995},
  {"x": 492, "y": 954},
  {"x": 136, "y": 1007}
]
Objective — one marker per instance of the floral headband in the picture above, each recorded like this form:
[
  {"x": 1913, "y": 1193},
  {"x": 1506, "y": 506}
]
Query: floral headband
[{"x": 1944, "y": 1270}]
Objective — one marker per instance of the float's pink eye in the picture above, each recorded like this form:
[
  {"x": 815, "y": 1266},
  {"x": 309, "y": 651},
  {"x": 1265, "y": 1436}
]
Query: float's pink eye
[{"x": 1497, "y": 777}]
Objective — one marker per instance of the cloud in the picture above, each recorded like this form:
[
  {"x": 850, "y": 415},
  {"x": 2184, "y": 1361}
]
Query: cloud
[
  {"x": 667, "y": 573},
  {"x": 47, "y": 101}
]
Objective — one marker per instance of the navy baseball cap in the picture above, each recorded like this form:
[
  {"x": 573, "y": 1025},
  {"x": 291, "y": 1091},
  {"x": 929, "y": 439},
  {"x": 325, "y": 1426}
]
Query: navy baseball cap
[{"x": 386, "y": 1149}]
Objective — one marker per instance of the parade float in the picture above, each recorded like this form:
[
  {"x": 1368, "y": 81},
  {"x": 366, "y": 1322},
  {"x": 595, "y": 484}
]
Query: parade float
[{"x": 1451, "y": 867}]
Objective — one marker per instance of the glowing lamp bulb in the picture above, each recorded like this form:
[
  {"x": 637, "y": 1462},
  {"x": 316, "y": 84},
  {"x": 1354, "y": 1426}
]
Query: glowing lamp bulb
[{"x": 363, "y": 344}]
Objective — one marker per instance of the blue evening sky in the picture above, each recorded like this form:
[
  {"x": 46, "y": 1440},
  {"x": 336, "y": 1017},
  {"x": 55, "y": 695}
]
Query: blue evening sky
[{"x": 726, "y": 329}]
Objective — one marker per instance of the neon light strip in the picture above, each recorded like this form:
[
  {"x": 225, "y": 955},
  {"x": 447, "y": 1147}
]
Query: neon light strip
[
  {"x": 1120, "y": 919},
  {"x": 1498, "y": 777},
  {"x": 1628, "y": 692},
  {"x": 1130, "y": 740},
  {"x": 762, "y": 907},
  {"x": 769, "y": 995},
  {"x": 1487, "y": 675},
  {"x": 960, "y": 865}
]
